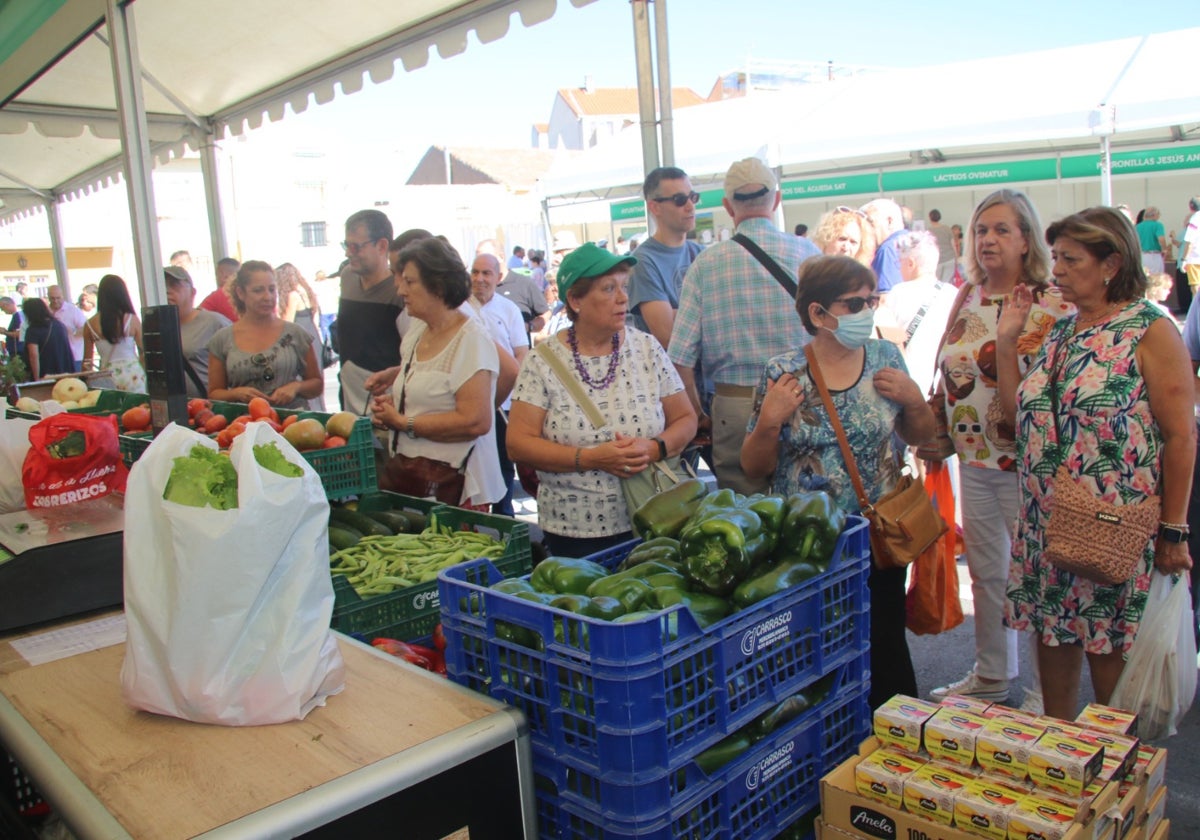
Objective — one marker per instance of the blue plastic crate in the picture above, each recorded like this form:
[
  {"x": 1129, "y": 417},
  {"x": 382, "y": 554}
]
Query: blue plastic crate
[
  {"x": 645, "y": 696},
  {"x": 753, "y": 798}
]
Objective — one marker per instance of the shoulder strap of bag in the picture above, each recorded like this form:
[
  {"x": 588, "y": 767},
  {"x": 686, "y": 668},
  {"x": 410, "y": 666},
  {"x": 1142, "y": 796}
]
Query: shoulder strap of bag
[
  {"x": 836, "y": 422},
  {"x": 915, "y": 323},
  {"x": 192, "y": 375},
  {"x": 954, "y": 310},
  {"x": 788, "y": 283},
  {"x": 571, "y": 383}
]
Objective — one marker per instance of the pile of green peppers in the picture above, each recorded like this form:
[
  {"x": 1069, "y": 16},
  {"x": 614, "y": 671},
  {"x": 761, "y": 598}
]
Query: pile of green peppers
[{"x": 714, "y": 553}]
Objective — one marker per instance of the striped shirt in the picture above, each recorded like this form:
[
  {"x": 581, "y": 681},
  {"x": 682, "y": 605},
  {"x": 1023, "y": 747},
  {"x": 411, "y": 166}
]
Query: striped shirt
[{"x": 733, "y": 314}]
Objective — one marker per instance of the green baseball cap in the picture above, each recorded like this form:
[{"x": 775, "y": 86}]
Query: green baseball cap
[{"x": 588, "y": 260}]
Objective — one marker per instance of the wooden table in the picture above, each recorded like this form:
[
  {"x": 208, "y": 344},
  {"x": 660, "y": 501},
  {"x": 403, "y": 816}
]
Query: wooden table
[{"x": 399, "y": 752}]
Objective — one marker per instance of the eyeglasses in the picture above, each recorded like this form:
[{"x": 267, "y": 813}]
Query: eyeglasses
[
  {"x": 263, "y": 362},
  {"x": 844, "y": 209},
  {"x": 679, "y": 199},
  {"x": 355, "y": 247},
  {"x": 856, "y": 304}
]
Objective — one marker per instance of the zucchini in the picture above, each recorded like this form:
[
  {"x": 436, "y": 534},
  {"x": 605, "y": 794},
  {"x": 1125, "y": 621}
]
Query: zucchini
[
  {"x": 397, "y": 520},
  {"x": 359, "y": 522},
  {"x": 342, "y": 537}
]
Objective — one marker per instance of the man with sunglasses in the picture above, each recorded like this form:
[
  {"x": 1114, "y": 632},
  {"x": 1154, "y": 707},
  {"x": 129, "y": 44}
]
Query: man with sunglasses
[
  {"x": 368, "y": 337},
  {"x": 734, "y": 315},
  {"x": 665, "y": 256}
]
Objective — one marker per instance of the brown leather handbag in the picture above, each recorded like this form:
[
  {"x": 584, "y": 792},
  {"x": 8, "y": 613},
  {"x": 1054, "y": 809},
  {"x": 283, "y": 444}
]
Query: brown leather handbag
[
  {"x": 903, "y": 522},
  {"x": 424, "y": 478}
]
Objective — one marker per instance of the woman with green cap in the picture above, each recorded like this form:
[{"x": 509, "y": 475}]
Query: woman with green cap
[{"x": 629, "y": 377}]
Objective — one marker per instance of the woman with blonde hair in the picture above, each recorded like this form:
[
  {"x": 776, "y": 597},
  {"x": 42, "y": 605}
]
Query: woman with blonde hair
[{"x": 846, "y": 232}]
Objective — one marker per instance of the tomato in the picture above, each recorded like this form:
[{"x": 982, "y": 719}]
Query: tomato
[
  {"x": 274, "y": 424},
  {"x": 215, "y": 424},
  {"x": 240, "y": 421},
  {"x": 225, "y": 437},
  {"x": 195, "y": 405},
  {"x": 274, "y": 415},
  {"x": 259, "y": 408},
  {"x": 289, "y": 420},
  {"x": 333, "y": 441},
  {"x": 439, "y": 637},
  {"x": 203, "y": 416},
  {"x": 136, "y": 419}
]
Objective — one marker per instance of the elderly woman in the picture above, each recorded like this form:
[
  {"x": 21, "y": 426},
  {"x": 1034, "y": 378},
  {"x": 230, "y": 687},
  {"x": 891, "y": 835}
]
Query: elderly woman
[
  {"x": 1110, "y": 396},
  {"x": 846, "y": 232},
  {"x": 196, "y": 328},
  {"x": 115, "y": 334},
  {"x": 790, "y": 438},
  {"x": 1005, "y": 252},
  {"x": 440, "y": 407},
  {"x": 629, "y": 377},
  {"x": 260, "y": 354}
]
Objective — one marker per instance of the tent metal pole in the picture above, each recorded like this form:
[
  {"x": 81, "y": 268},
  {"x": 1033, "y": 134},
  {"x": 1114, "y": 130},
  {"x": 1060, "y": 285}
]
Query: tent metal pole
[
  {"x": 645, "y": 83},
  {"x": 212, "y": 196},
  {"x": 1105, "y": 171},
  {"x": 57, "y": 248},
  {"x": 135, "y": 149},
  {"x": 666, "y": 120}
]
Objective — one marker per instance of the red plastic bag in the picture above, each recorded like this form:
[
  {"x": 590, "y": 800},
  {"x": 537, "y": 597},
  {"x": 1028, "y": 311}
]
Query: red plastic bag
[
  {"x": 932, "y": 603},
  {"x": 72, "y": 458}
]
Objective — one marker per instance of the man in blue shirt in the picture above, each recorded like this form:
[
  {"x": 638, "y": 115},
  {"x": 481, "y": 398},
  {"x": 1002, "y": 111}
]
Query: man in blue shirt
[
  {"x": 888, "y": 219},
  {"x": 664, "y": 257}
]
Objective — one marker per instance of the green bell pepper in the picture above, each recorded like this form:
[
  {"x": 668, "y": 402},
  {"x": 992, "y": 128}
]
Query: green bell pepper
[
  {"x": 706, "y": 609},
  {"x": 631, "y": 592},
  {"x": 771, "y": 510},
  {"x": 511, "y": 586},
  {"x": 664, "y": 514},
  {"x": 566, "y": 575},
  {"x": 721, "y": 543},
  {"x": 664, "y": 549},
  {"x": 811, "y": 526},
  {"x": 600, "y": 607},
  {"x": 654, "y": 573},
  {"x": 788, "y": 572}
]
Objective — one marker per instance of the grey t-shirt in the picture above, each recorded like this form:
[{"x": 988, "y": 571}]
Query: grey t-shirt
[
  {"x": 281, "y": 363},
  {"x": 195, "y": 335}
]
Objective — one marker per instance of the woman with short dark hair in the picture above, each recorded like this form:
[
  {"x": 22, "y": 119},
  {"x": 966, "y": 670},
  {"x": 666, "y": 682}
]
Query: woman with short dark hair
[{"x": 791, "y": 440}]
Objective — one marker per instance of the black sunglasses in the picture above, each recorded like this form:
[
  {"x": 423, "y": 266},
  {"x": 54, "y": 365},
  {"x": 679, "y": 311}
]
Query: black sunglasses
[
  {"x": 263, "y": 362},
  {"x": 856, "y": 304},
  {"x": 679, "y": 199}
]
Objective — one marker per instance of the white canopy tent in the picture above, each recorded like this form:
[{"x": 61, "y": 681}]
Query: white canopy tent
[
  {"x": 73, "y": 116},
  {"x": 1048, "y": 101}
]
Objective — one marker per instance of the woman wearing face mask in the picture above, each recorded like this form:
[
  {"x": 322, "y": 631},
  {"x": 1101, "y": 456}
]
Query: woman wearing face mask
[{"x": 791, "y": 439}]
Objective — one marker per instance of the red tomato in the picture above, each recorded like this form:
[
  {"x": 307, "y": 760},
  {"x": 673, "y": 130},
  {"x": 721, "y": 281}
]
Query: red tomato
[
  {"x": 274, "y": 415},
  {"x": 215, "y": 424},
  {"x": 195, "y": 405},
  {"x": 136, "y": 419},
  {"x": 289, "y": 420},
  {"x": 259, "y": 408},
  {"x": 203, "y": 416},
  {"x": 272, "y": 423},
  {"x": 225, "y": 437},
  {"x": 333, "y": 441},
  {"x": 240, "y": 421}
]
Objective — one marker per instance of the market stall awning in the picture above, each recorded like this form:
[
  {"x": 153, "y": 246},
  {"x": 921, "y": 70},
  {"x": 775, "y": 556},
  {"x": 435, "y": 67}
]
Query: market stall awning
[{"x": 209, "y": 70}]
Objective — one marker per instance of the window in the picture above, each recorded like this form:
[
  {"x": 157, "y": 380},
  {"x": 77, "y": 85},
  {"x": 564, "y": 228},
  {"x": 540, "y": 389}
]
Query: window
[{"x": 312, "y": 234}]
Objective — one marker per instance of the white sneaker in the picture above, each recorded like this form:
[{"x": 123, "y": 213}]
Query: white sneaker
[
  {"x": 1033, "y": 702},
  {"x": 972, "y": 686}
]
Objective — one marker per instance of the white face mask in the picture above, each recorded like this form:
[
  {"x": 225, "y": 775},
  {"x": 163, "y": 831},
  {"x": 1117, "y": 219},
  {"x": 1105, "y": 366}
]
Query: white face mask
[{"x": 853, "y": 330}]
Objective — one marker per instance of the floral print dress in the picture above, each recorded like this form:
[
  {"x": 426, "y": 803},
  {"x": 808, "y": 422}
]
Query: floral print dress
[{"x": 1111, "y": 442}]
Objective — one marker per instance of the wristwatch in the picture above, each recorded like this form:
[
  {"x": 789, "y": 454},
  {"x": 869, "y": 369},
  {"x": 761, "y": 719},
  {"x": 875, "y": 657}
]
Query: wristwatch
[
  {"x": 1172, "y": 533},
  {"x": 411, "y": 432},
  {"x": 662, "y": 449}
]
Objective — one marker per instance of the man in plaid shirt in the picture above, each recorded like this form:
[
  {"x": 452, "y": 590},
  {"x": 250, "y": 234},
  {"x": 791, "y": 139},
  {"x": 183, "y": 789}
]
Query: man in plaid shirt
[{"x": 734, "y": 316}]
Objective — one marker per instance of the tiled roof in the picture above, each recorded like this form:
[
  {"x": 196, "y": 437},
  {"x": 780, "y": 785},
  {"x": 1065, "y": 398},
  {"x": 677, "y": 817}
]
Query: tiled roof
[
  {"x": 518, "y": 169},
  {"x": 619, "y": 100}
]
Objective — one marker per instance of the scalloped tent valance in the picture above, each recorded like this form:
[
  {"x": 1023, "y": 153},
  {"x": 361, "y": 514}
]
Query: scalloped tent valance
[{"x": 216, "y": 70}]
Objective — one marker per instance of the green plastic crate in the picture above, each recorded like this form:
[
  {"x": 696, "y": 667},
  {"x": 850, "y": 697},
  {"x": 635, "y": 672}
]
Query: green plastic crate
[
  {"x": 344, "y": 471},
  {"x": 109, "y": 402},
  {"x": 411, "y": 614}
]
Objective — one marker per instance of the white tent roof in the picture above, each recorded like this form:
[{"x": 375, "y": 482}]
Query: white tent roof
[
  {"x": 1034, "y": 102},
  {"x": 219, "y": 66}
]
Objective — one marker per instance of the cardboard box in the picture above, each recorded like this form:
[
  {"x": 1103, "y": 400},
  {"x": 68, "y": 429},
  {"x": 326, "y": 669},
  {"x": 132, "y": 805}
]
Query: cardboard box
[
  {"x": 1162, "y": 832},
  {"x": 1150, "y": 764},
  {"x": 1131, "y": 796},
  {"x": 1096, "y": 716},
  {"x": 1038, "y": 818},
  {"x": 1120, "y": 751},
  {"x": 1129, "y": 815},
  {"x": 1155, "y": 811},
  {"x": 900, "y": 722},
  {"x": 950, "y": 735},
  {"x": 1065, "y": 764},
  {"x": 843, "y": 811}
]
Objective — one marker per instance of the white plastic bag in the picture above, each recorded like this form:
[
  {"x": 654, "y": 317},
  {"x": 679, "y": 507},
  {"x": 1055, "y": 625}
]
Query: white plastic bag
[
  {"x": 1159, "y": 680},
  {"x": 14, "y": 444},
  {"x": 228, "y": 610}
]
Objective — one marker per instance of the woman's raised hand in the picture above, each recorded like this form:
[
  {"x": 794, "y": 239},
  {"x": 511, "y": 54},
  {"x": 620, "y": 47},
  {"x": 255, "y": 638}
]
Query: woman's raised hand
[
  {"x": 1014, "y": 314},
  {"x": 783, "y": 397}
]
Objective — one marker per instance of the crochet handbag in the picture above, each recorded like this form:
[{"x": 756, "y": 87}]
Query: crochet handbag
[
  {"x": 1087, "y": 536},
  {"x": 903, "y": 521}
]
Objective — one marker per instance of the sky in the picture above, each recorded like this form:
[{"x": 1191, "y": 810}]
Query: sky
[{"x": 492, "y": 93}]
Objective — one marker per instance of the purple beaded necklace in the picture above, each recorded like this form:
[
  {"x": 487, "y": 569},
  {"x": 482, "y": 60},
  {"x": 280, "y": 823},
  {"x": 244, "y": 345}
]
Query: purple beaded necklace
[{"x": 581, "y": 369}]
